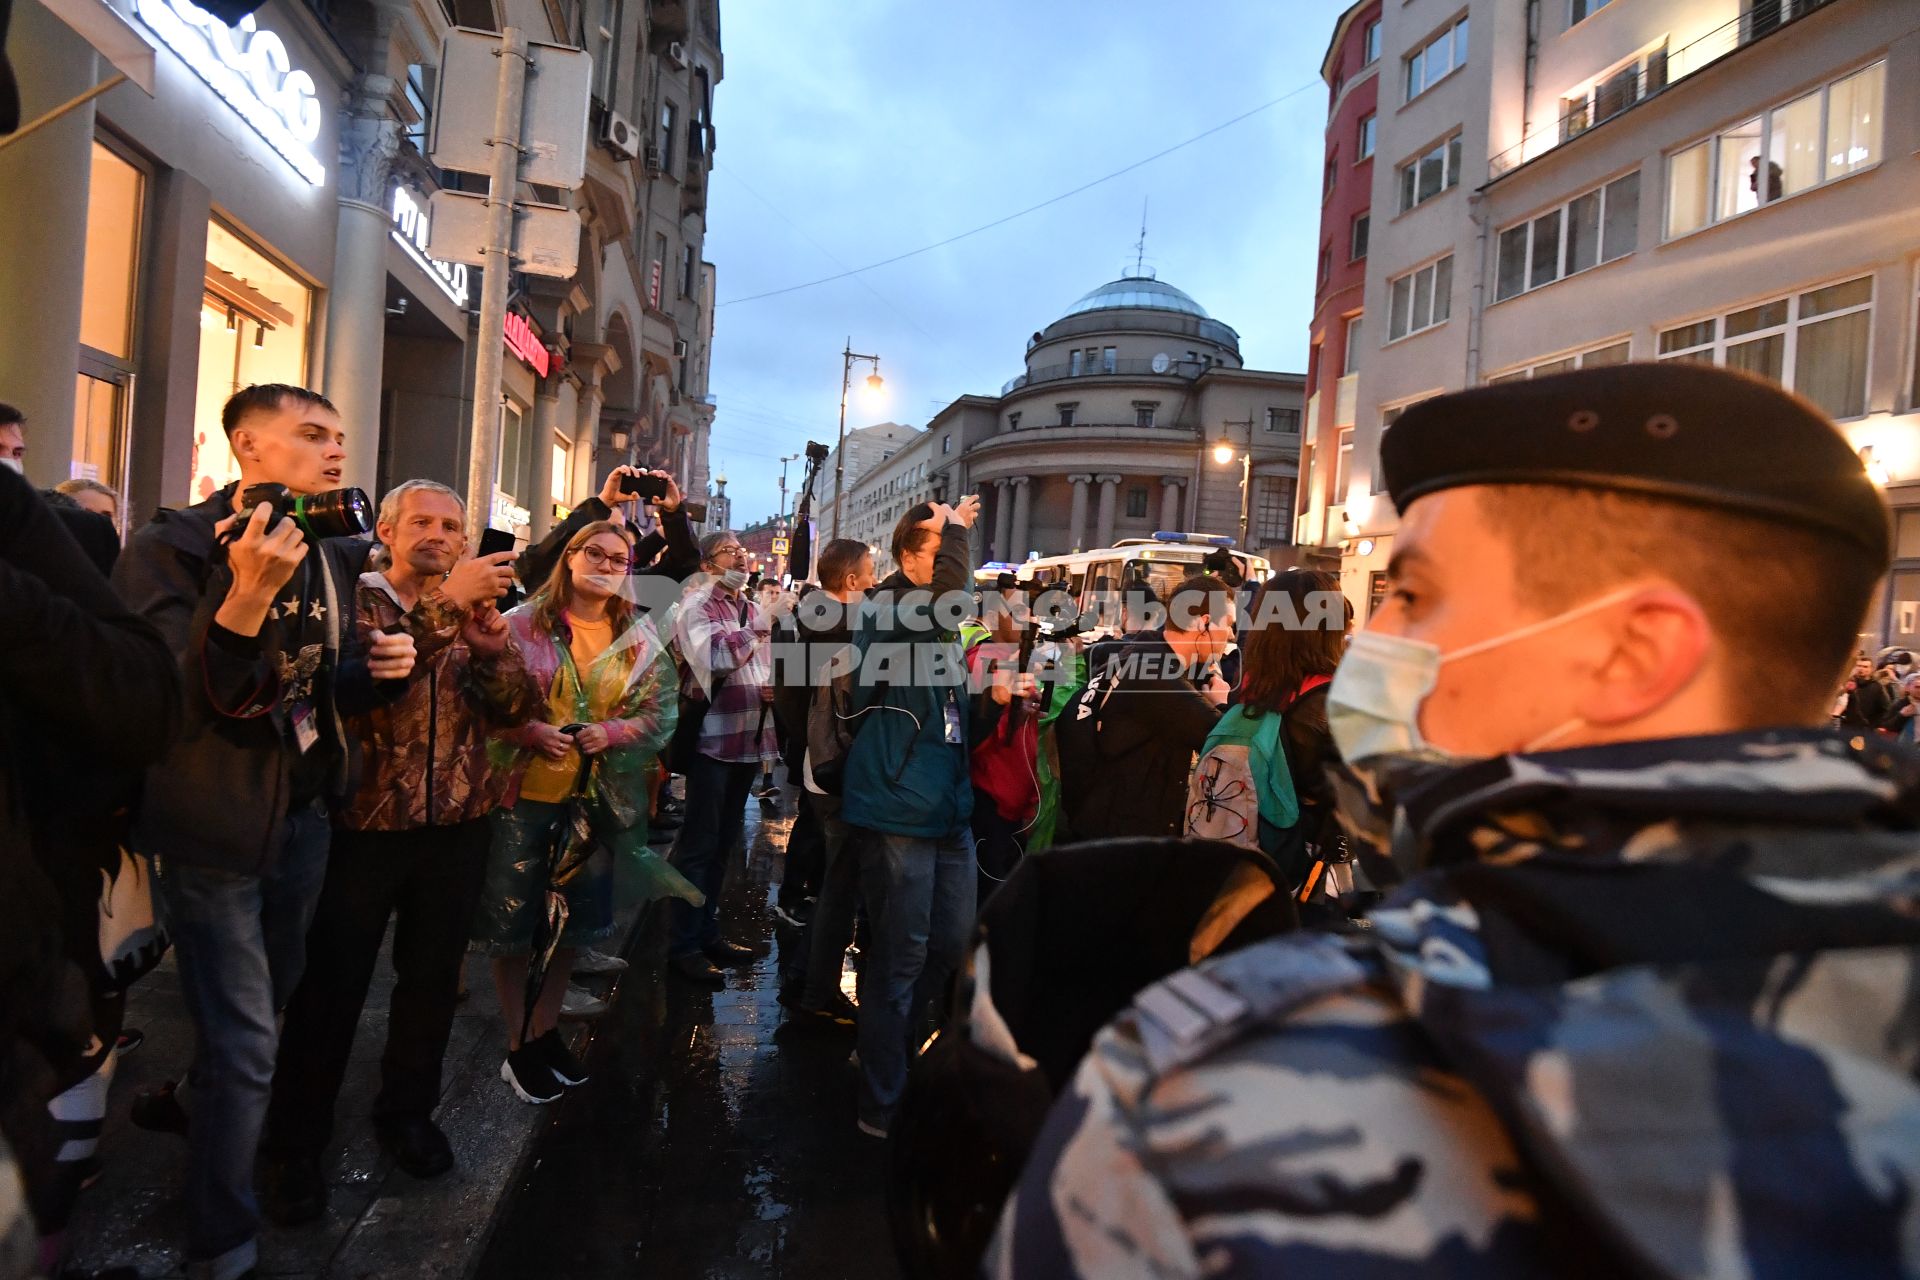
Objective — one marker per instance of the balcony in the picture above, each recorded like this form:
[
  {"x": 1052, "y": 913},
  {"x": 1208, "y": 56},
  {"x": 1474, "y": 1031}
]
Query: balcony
[
  {"x": 1131, "y": 367},
  {"x": 1648, "y": 77}
]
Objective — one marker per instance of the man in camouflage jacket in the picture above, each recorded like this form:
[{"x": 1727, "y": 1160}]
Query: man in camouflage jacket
[
  {"x": 412, "y": 840},
  {"x": 1649, "y": 1002}
]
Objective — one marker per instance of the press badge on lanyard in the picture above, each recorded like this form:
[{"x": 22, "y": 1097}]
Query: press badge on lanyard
[
  {"x": 953, "y": 722},
  {"x": 305, "y": 731}
]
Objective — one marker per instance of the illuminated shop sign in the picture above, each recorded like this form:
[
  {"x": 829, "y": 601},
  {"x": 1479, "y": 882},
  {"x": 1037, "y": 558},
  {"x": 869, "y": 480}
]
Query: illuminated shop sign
[
  {"x": 410, "y": 223},
  {"x": 525, "y": 343},
  {"x": 250, "y": 68}
]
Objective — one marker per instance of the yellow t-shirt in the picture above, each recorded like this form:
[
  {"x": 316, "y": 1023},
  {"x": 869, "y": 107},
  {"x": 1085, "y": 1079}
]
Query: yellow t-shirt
[{"x": 552, "y": 781}]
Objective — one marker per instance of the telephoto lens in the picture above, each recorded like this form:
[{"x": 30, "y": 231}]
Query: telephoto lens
[{"x": 337, "y": 513}]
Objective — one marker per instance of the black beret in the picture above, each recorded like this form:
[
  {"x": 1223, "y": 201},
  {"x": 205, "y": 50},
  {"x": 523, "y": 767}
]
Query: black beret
[{"x": 1689, "y": 432}]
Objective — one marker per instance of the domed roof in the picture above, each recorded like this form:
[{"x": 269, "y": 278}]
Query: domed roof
[{"x": 1137, "y": 291}]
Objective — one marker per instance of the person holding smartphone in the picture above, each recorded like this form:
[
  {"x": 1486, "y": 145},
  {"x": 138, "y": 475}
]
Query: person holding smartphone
[
  {"x": 669, "y": 550},
  {"x": 602, "y": 671}
]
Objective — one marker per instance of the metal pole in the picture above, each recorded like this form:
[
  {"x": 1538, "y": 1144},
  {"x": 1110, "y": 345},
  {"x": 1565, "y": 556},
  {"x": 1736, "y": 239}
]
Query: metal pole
[
  {"x": 840, "y": 441},
  {"x": 70, "y": 104},
  {"x": 1246, "y": 495},
  {"x": 502, "y": 186}
]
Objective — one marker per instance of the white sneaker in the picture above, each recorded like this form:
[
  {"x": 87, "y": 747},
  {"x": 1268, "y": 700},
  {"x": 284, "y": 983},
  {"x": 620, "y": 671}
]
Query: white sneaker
[
  {"x": 594, "y": 963},
  {"x": 581, "y": 1006}
]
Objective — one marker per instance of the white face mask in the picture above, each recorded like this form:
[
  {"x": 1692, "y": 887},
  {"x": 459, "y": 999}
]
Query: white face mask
[
  {"x": 734, "y": 579},
  {"x": 1373, "y": 705},
  {"x": 14, "y": 465}
]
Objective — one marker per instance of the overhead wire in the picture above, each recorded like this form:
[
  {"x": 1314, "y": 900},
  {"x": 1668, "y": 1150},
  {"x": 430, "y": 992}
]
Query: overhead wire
[{"x": 1033, "y": 208}]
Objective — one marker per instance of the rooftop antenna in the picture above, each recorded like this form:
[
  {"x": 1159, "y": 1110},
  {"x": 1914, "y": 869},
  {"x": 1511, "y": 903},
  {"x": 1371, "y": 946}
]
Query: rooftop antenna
[{"x": 1140, "y": 245}]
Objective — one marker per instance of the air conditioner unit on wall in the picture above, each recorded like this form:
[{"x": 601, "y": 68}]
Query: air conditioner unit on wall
[
  {"x": 677, "y": 54},
  {"x": 619, "y": 135},
  {"x": 655, "y": 164},
  {"x": 680, "y": 348}
]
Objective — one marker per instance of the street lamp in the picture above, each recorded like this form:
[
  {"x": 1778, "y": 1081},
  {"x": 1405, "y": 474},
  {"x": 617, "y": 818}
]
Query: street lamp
[
  {"x": 874, "y": 383},
  {"x": 1223, "y": 453}
]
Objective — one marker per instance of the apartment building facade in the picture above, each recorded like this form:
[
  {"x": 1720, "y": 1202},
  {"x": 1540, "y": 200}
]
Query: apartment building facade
[
  {"x": 1595, "y": 181},
  {"x": 275, "y": 227}
]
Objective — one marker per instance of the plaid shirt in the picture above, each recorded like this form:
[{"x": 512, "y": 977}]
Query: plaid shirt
[{"x": 715, "y": 644}]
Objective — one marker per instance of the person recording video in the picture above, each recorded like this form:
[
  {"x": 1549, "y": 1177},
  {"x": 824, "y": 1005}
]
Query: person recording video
[
  {"x": 668, "y": 551},
  {"x": 253, "y": 590}
]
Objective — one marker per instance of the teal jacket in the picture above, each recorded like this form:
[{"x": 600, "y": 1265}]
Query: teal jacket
[{"x": 902, "y": 775}]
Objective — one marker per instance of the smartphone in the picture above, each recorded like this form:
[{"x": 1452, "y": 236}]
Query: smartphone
[
  {"x": 646, "y": 488},
  {"x": 494, "y": 541},
  {"x": 696, "y": 511}
]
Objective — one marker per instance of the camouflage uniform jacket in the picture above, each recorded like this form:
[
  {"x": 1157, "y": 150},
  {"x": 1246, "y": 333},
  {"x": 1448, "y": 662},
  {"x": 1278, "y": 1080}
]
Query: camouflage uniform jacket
[
  {"x": 425, "y": 754},
  {"x": 1650, "y": 1009}
]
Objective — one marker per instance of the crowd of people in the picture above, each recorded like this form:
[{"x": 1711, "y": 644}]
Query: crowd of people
[{"x": 1556, "y": 924}]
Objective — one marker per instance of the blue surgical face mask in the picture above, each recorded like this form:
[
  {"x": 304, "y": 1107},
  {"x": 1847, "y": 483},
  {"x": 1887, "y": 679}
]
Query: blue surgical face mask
[{"x": 1373, "y": 705}]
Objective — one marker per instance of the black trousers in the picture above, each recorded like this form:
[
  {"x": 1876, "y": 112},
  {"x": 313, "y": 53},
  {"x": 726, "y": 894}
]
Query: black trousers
[{"x": 430, "y": 878}]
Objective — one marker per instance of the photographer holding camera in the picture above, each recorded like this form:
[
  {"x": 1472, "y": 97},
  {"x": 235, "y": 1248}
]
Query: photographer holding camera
[{"x": 255, "y": 601}]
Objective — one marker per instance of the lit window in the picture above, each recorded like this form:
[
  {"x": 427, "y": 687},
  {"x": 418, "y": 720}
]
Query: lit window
[
  {"x": 1794, "y": 147},
  {"x": 1815, "y": 342},
  {"x": 1420, "y": 299},
  {"x": 1615, "y": 352},
  {"x": 1342, "y": 467},
  {"x": 1614, "y": 92},
  {"x": 1352, "y": 364}
]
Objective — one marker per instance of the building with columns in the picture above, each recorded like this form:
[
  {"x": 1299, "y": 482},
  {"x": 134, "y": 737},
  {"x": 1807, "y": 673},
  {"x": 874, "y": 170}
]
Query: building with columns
[
  {"x": 197, "y": 240},
  {"x": 1110, "y": 432}
]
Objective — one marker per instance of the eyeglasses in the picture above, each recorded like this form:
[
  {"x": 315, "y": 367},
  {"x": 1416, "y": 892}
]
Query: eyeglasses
[
  {"x": 728, "y": 551},
  {"x": 601, "y": 560}
]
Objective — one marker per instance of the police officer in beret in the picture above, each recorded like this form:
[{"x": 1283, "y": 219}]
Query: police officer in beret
[{"x": 1648, "y": 1002}]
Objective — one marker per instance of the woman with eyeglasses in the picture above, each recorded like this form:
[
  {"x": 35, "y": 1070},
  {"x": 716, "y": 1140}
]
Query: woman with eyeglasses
[{"x": 602, "y": 667}]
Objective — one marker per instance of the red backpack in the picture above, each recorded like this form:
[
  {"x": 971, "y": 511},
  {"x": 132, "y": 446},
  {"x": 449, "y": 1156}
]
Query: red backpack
[{"x": 1003, "y": 762}]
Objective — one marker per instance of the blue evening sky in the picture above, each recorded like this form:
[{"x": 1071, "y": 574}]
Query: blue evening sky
[{"x": 853, "y": 130}]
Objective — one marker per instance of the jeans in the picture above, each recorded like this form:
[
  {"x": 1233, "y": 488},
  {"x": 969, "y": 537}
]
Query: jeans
[
  {"x": 716, "y": 816},
  {"x": 830, "y": 927},
  {"x": 431, "y": 877},
  {"x": 921, "y": 903},
  {"x": 241, "y": 943}
]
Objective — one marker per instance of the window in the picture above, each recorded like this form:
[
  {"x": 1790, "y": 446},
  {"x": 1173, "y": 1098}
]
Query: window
[
  {"x": 1367, "y": 134},
  {"x": 1423, "y": 178},
  {"x": 946, "y": 442},
  {"x": 1342, "y": 467},
  {"x": 659, "y": 266},
  {"x": 1814, "y": 343},
  {"x": 1434, "y": 61},
  {"x": 1283, "y": 420},
  {"x": 1143, "y": 413},
  {"x": 1352, "y": 359},
  {"x": 1272, "y": 510},
  {"x": 252, "y": 334},
  {"x": 1066, "y": 414},
  {"x": 1420, "y": 299},
  {"x": 1333, "y": 172},
  {"x": 1109, "y": 359},
  {"x": 1357, "y": 239},
  {"x": 1370, "y": 44},
  {"x": 419, "y": 107},
  {"x": 1326, "y": 265},
  {"x": 1816, "y": 138},
  {"x": 1136, "y": 502},
  {"x": 686, "y": 271},
  {"x": 1613, "y": 92},
  {"x": 1387, "y": 418},
  {"x": 669, "y": 125},
  {"x": 1615, "y": 352},
  {"x": 1584, "y": 9},
  {"x": 1076, "y": 363},
  {"x": 1013, "y": 422},
  {"x": 1593, "y": 228},
  {"x": 510, "y": 470}
]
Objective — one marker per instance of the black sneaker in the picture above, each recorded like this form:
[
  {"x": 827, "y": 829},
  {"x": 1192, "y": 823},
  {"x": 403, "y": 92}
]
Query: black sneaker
[
  {"x": 528, "y": 1074},
  {"x": 293, "y": 1190},
  {"x": 838, "y": 1012},
  {"x": 566, "y": 1068}
]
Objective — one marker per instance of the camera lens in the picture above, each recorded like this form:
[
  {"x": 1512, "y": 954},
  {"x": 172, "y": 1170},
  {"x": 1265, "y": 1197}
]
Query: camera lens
[{"x": 337, "y": 513}]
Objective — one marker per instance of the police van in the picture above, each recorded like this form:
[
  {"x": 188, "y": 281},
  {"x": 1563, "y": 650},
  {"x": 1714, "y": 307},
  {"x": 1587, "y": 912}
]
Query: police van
[{"x": 1094, "y": 578}]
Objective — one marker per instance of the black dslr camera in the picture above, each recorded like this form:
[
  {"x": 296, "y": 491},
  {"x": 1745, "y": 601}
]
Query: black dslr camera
[
  {"x": 337, "y": 513},
  {"x": 817, "y": 453}
]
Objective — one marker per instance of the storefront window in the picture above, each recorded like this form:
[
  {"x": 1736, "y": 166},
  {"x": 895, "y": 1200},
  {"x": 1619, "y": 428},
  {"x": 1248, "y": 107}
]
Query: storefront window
[
  {"x": 253, "y": 329},
  {"x": 109, "y": 284}
]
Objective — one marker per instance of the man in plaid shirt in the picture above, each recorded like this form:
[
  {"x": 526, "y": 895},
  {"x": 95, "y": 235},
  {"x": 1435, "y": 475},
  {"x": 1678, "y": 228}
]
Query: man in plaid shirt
[{"x": 725, "y": 639}]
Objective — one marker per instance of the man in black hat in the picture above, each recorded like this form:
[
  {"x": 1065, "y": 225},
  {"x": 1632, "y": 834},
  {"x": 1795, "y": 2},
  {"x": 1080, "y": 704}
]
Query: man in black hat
[{"x": 1644, "y": 1004}]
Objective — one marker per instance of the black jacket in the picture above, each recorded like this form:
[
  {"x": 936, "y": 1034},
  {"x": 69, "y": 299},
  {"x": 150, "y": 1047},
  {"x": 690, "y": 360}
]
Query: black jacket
[
  {"x": 806, "y": 642},
  {"x": 217, "y": 798},
  {"x": 1127, "y": 743},
  {"x": 1868, "y": 703},
  {"x": 668, "y": 552},
  {"x": 84, "y": 680}
]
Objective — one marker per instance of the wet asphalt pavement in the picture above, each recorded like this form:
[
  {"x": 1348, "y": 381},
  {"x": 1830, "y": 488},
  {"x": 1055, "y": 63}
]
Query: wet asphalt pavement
[{"x": 713, "y": 1139}]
